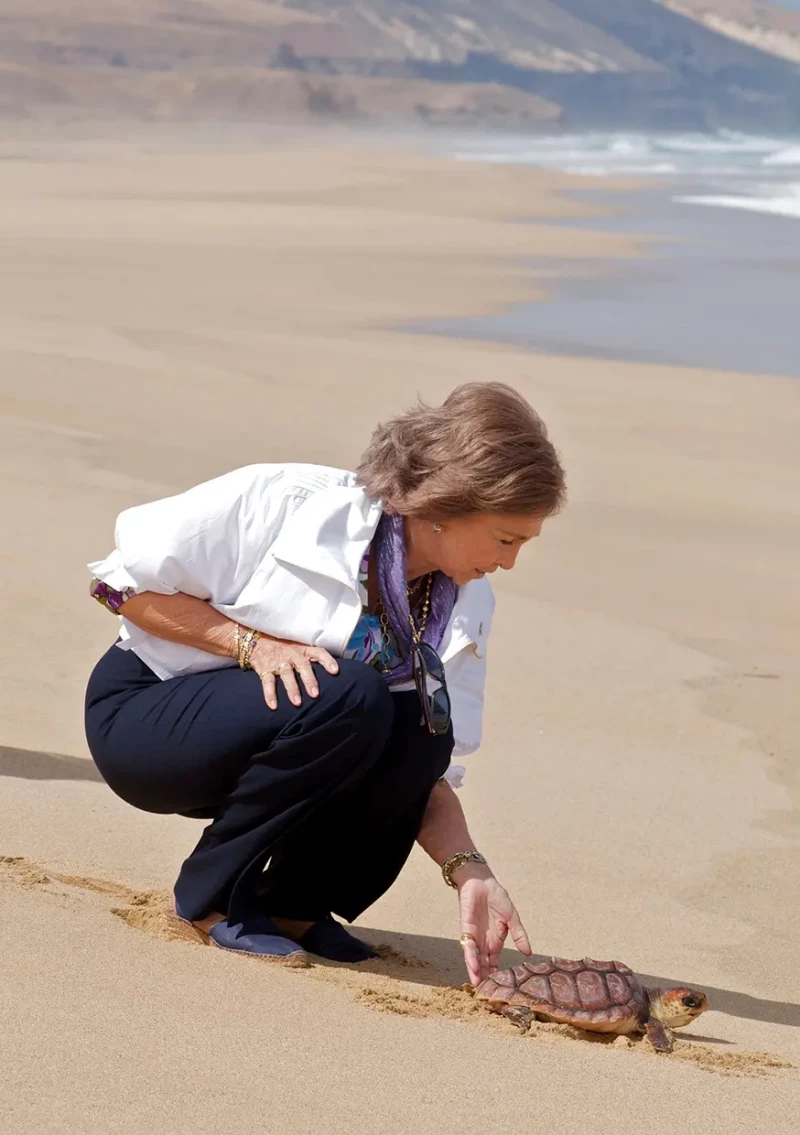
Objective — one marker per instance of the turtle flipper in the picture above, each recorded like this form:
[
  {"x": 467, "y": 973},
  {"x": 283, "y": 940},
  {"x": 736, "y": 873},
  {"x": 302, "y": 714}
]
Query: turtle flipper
[
  {"x": 660, "y": 1036},
  {"x": 521, "y": 1015}
]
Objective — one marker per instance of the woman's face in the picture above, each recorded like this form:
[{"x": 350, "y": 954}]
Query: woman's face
[{"x": 474, "y": 546}]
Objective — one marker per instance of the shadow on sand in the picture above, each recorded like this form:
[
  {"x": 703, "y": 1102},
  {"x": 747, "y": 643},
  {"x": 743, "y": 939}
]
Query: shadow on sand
[
  {"x": 439, "y": 962},
  {"x": 422, "y": 959},
  {"x": 32, "y": 765}
]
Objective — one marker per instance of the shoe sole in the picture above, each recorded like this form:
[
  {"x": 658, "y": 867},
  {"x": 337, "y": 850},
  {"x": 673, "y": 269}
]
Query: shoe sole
[
  {"x": 298, "y": 960},
  {"x": 342, "y": 961}
]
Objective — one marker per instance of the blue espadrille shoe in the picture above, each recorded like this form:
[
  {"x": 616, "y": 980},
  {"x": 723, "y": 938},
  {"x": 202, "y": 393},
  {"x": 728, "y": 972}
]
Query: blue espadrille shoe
[
  {"x": 329, "y": 939},
  {"x": 257, "y": 936}
]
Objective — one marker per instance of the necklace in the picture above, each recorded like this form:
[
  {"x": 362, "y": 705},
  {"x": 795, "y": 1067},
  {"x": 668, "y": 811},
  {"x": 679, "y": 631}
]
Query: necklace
[{"x": 416, "y": 631}]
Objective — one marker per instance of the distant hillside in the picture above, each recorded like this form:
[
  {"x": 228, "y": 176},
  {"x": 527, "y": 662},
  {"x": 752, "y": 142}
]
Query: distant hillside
[
  {"x": 668, "y": 64},
  {"x": 765, "y": 26},
  {"x": 269, "y": 95}
]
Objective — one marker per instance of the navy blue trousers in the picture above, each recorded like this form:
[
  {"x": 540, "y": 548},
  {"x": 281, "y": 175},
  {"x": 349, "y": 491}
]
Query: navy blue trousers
[{"x": 328, "y": 796}]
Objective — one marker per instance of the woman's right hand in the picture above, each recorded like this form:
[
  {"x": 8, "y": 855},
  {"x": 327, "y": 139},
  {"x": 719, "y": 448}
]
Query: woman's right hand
[{"x": 274, "y": 658}]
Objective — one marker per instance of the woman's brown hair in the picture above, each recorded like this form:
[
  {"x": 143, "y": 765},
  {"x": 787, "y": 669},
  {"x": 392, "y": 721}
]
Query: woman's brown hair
[{"x": 484, "y": 450}]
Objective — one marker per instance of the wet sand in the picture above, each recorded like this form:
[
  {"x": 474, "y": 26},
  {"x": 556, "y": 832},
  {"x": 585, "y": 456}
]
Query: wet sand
[{"x": 715, "y": 288}]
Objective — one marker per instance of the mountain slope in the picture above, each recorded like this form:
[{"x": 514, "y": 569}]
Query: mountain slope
[
  {"x": 764, "y": 26},
  {"x": 42, "y": 90},
  {"x": 153, "y": 32},
  {"x": 694, "y": 64}
]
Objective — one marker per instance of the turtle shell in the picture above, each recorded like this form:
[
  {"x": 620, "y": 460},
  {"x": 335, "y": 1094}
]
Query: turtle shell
[{"x": 599, "y": 996}]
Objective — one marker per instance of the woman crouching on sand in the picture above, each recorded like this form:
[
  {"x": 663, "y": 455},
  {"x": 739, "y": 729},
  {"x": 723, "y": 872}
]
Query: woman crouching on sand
[{"x": 302, "y": 653}]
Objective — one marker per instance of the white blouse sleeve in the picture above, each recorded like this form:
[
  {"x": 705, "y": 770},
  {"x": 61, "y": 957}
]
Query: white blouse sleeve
[
  {"x": 466, "y": 681},
  {"x": 205, "y": 542}
]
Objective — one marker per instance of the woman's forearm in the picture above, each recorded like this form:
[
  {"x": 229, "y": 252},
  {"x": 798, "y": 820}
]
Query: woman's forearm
[
  {"x": 183, "y": 619},
  {"x": 444, "y": 831}
]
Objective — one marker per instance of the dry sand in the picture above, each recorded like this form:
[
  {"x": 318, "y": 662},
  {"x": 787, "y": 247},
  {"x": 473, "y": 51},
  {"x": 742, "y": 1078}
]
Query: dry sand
[{"x": 167, "y": 314}]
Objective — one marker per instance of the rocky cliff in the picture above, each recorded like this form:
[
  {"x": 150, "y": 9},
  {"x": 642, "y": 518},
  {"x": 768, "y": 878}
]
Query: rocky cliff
[
  {"x": 668, "y": 64},
  {"x": 771, "y": 29}
]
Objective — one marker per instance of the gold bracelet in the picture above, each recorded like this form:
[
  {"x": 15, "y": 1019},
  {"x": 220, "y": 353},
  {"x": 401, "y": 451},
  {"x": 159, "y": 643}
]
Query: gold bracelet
[
  {"x": 458, "y": 860},
  {"x": 248, "y": 642},
  {"x": 237, "y": 636},
  {"x": 246, "y": 648}
]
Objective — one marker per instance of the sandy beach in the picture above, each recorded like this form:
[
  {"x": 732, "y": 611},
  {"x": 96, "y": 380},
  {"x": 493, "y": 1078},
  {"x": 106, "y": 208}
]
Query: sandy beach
[{"x": 169, "y": 311}]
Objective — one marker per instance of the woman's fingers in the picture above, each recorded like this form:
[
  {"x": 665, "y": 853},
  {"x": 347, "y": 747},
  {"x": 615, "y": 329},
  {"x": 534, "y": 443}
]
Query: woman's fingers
[
  {"x": 268, "y": 685},
  {"x": 518, "y": 933},
  {"x": 472, "y": 960},
  {"x": 287, "y": 675},
  {"x": 494, "y": 959},
  {"x": 288, "y": 661},
  {"x": 483, "y": 953},
  {"x": 487, "y": 917},
  {"x": 273, "y": 658},
  {"x": 319, "y": 654},
  {"x": 476, "y": 955},
  {"x": 308, "y": 676}
]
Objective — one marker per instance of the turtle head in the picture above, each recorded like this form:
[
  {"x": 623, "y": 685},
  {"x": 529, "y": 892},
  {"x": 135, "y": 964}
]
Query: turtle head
[{"x": 677, "y": 1007}]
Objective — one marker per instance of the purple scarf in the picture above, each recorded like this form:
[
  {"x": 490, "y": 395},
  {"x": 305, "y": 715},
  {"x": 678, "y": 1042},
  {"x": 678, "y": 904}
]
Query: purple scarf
[{"x": 390, "y": 556}]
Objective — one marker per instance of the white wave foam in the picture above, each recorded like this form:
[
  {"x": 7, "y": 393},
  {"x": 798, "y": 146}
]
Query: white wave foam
[
  {"x": 724, "y": 154},
  {"x": 643, "y": 169},
  {"x": 787, "y": 157},
  {"x": 723, "y": 143},
  {"x": 633, "y": 147},
  {"x": 598, "y": 163},
  {"x": 787, "y": 205}
]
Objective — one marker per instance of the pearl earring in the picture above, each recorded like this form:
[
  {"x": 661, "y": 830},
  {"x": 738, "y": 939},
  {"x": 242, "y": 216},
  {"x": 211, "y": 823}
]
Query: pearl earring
[{"x": 438, "y": 528}]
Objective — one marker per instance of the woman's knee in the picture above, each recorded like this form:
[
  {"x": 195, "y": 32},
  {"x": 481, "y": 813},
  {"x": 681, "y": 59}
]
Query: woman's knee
[{"x": 138, "y": 791}]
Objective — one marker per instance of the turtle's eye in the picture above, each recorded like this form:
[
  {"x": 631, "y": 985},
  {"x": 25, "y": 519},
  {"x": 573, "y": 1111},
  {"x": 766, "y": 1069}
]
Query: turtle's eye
[{"x": 691, "y": 1002}]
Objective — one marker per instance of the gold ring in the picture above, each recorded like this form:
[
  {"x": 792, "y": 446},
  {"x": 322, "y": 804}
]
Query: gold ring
[{"x": 466, "y": 938}]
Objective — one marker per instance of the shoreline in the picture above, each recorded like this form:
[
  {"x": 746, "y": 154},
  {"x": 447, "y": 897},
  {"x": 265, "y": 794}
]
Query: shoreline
[{"x": 703, "y": 280}]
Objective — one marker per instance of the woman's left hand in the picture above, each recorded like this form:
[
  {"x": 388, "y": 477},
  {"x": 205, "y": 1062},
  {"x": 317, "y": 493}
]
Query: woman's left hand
[{"x": 487, "y": 916}]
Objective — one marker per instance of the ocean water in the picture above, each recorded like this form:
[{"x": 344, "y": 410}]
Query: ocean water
[
  {"x": 725, "y": 170},
  {"x": 718, "y": 282}
]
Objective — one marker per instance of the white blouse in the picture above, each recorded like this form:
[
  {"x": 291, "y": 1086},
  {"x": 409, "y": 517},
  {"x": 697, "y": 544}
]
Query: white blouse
[{"x": 278, "y": 548}]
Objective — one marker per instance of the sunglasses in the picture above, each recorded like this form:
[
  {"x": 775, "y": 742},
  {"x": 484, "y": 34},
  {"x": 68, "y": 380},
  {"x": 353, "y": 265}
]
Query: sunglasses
[{"x": 436, "y": 705}]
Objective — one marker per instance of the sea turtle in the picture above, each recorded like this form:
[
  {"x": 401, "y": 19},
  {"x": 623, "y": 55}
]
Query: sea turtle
[{"x": 603, "y": 997}]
